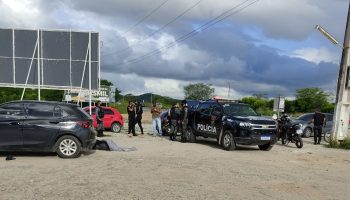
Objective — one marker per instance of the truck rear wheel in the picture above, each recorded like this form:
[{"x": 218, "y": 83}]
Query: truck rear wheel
[{"x": 228, "y": 142}]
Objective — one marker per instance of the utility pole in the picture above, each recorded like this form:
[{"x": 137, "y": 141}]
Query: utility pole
[{"x": 341, "y": 115}]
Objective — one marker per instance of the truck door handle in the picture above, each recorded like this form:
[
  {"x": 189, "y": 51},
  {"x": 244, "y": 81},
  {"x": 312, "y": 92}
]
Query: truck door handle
[
  {"x": 54, "y": 122},
  {"x": 14, "y": 123}
]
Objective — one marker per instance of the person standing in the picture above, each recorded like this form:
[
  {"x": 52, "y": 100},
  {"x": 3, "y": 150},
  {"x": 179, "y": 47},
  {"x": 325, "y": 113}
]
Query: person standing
[
  {"x": 319, "y": 120},
  {"x": 174, "y": 115},
  {"x": 99, "y": 113},
  {"x": 184, "y": 120},
  {"x": 139, "y": 112},
  {"x": 156, "y": 122},
  {"x": 131, "y": 114}
]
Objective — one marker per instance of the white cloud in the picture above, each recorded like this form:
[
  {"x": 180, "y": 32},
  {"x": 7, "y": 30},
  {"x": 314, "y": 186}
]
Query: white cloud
[{"x": 317, "y": 55}]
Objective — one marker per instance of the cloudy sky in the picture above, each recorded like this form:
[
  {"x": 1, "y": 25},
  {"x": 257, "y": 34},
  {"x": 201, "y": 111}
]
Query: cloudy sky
[{"x": 264, "y": 46}]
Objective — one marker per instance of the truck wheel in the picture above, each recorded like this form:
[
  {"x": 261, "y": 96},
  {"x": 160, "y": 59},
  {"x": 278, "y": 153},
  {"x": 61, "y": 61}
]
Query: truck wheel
[
  {"x": 68, "y": 147},
  {"x": 265, "y": 147},
  {"x": 228, "y": 142}
]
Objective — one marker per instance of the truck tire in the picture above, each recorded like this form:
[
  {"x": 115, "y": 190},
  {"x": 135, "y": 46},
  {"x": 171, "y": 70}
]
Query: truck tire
[
  {"x": 228, "y": 142},
  {"x": 265, "y": 147}
]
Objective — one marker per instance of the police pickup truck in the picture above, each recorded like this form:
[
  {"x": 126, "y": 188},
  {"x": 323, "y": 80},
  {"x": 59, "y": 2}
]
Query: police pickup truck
[{"x": 231, "y": 123}]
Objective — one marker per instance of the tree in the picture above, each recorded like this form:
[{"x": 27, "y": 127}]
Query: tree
[
  {"x": 307, "y": 99},
  {"x": 105, "y": 82},
  {"x": 198, "y": 91},
  {"x": 117, "y": 94}
]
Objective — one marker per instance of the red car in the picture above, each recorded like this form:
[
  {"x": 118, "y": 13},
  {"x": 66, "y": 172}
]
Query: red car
[{"x": 112, "y": 119}]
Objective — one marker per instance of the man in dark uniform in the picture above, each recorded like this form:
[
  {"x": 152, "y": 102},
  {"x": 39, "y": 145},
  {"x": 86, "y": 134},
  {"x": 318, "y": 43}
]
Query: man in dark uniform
[
  {"x": 319, "y": 120},
  {"x": 184, "y": 120},
  {"x": 174, "y": 115},
  {"x": 99, "y": 113},
  {"x": 139, "y": 112},
  {"x": 131, "y": 113}
]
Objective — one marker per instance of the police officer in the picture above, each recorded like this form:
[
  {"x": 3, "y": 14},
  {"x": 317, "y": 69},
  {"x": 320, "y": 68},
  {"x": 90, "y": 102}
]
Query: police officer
[
  {"x": 174, "y": 115},
  {"x": 319, "y": 120},
  {"x": 139, "y": 112},
  {"x": 132, "y": 120},
  {"x": 99, "y": 113},
  {"x": 184, "y": 120}
]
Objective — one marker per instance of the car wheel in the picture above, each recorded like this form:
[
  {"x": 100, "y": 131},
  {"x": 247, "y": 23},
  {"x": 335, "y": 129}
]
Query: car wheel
[
  {"x": 228, "y": 142},
  {"x": 116, "y": 127},
  {"x": 68, "y": 147},
  {"x": 307, "y": 132},
  {"x": 265, "y": 147},
  {"x": 327, "y": 136}
]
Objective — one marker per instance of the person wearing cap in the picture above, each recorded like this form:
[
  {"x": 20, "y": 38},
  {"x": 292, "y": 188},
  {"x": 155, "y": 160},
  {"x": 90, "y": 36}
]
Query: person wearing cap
[
  {"x": 184, "y": 120},
  {"x": 99, "y": 118}
]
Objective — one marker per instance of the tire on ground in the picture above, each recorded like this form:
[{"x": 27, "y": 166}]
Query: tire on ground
[
  {"x": 68, "y": 146},
  {"x": 307, "y": 132},
  {"x": 265, "y": 147},
  {"x": 228, "y": 142},
  {"x": 116, "y": 127}
]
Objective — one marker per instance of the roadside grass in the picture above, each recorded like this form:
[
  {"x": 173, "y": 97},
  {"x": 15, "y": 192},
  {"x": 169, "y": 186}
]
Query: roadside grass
[{"x": 344, "y": 144}]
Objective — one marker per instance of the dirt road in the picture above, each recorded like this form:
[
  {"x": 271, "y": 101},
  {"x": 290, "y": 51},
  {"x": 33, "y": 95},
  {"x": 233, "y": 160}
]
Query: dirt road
[{"x": 161, "y": 169}]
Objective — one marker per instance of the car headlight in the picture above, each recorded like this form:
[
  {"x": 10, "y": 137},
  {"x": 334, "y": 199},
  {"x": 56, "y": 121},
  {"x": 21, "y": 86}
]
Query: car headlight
[{"x": 245, "y": 125}]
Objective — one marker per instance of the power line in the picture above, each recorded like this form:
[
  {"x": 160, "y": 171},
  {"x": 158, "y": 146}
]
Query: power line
[
  {"x": 194, "y": 32},
  {"x": 158, "y": 30},
  {"x": 146, "y": 17}
]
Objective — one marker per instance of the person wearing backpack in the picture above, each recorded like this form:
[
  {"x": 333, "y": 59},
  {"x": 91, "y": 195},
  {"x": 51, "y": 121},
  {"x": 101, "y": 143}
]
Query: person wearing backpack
[{"x": 99, "y": 113}]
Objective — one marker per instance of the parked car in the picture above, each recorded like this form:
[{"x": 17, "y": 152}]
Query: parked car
[
  {"x": 112, "y": 119},
  {"x": 308, "y": 128},
  {"x": 38, "y": 126}
]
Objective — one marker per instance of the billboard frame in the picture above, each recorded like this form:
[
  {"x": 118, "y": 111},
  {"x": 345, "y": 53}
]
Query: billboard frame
[{"x": 37, "y": 56}]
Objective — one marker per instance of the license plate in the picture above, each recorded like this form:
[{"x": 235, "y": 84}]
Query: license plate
[
  {"x": 299, "y": 131},
  {"x": 265, "y": 137}
]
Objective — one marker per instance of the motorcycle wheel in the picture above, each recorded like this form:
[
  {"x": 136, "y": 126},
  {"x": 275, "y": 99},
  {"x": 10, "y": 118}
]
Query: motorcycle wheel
[{"x": 298, "y": 141}]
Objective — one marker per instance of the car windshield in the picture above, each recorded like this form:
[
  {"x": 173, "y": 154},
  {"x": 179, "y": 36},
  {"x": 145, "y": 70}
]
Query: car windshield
[{"x": 239, "y": 110}]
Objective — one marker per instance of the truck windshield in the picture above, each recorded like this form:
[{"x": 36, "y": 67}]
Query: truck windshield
[{"x": 239, "y": 110}]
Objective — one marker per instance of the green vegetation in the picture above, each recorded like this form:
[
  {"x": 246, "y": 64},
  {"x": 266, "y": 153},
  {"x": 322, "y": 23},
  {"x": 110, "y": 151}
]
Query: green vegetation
[
  {"x": 198, "y": 91},
  {"x": 344, "y": 144},
  {"x": 11, "y": 94}
]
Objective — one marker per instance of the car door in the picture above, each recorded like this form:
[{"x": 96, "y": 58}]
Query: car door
[
  {"x": 329, "y": 123},
  {"x": 11, "y": 120},
  {"x": 203, "y": 118},
  {"x": 40, "y": 126},
  {"x": 216, "y": 119},
  {"x": 108, "y": 117}
]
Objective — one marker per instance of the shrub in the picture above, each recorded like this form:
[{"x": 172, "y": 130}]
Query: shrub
[
  {"x": 345, "y": 144},
  {"x": 333, "y": 144}
]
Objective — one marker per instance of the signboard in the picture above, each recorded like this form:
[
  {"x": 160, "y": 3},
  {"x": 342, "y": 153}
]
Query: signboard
[
  {"x": 61, "y": 59},
  {"x": 279, "y": 104},
  {"x": 103, "y": 95}
]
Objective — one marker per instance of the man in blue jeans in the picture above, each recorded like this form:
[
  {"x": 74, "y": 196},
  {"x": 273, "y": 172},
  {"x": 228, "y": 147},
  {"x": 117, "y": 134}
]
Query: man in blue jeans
[{"x": 156, "y": 122}]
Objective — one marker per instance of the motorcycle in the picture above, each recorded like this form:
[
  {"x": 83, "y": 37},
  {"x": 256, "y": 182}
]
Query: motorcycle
[{"x": 290, "y": 132}]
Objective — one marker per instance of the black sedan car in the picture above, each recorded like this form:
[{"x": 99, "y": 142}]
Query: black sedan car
[{"x": 37, "y": 126}]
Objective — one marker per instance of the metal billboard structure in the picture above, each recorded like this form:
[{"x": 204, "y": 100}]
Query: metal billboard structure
[{"x": 49, "y": 59}]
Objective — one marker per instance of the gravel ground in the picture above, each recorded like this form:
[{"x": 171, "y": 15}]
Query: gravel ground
[{"x": 161, "y": 169}]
